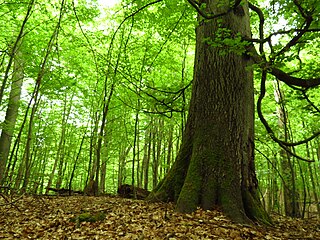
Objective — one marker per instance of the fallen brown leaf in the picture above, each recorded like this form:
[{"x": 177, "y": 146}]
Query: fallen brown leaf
[{"x": 49, "y": 218}]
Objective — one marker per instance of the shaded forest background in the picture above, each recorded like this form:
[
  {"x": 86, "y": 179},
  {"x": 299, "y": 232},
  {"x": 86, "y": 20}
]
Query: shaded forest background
[{"x": 94, "y": 97}]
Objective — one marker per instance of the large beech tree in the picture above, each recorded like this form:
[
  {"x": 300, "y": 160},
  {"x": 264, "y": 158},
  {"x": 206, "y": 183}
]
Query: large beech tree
[{"x": 215, "y": 165}]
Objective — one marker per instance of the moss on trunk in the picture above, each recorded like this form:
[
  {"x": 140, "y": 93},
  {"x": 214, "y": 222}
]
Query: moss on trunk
[
  {"x": 253, "y": 208},
  {"x": 215, "y": 165}
]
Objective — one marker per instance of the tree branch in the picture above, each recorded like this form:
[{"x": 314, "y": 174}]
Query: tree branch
[
  {"x": 130, "y": 16},
  {"x": 310, "y": 102},
  {"x": 281, "y": 143},
  {"x": 290, "y": 80},
  {"x": 261, "y": 23},
  {"x": 267, "y": 67},
  {"x": 281, "y": 75},
  {"x": 301, "y": 10},
  {"x": 205, "y": 15},
  {"x": 267, "y": 39},
  {"x": 295, "y": 39}
]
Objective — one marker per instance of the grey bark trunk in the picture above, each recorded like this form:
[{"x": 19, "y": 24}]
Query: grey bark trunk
[{"x": 12, "y": 112}]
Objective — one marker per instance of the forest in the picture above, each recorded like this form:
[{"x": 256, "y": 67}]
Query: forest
[{"x": 159, "y": 119}]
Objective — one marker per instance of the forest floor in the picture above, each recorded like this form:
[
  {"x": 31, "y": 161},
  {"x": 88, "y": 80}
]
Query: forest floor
[{"x": 83, "y": 217}]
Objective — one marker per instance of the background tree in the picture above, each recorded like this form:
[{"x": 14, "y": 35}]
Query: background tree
[{"x": 16, "y": 58}]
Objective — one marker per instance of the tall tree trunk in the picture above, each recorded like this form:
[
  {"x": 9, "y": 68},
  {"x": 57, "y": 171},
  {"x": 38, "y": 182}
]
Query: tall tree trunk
[
  {"x": 313, "y": 185},
  {"x": 12, "y": 112},
  {"x": 124, "y": 151},
  {"x": 215, "y": 165},
  {"x": 42, "y": 163},
  {"x": 170, "y": 151},
  {"x": 75, "y": 163},
  {"x": 59, "y": 159},
  {"x": 103, "y": 173},
  {"x": 290, "y": 194},
  {"x": 15, "y": 48},
  {"x": 146, "y": 157},
  {"x": 92, "y": 152},
  {"x": 29, "y": 143},
  {"x": 139, "y": 184},
  {"x": 158, "y": 142},
  {"x": 36, "y": 95},
  {"x": 62, "y": 142},
  {"x": 103, "y": 170},
  {"x": 134, "y": 151},
  {"x": 155, "y": 147},
  {"x": 100, "y": 138}
]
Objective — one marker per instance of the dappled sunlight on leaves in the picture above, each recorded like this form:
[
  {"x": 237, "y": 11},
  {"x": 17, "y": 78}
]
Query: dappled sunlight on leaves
[{"x": 116, "y": 218}]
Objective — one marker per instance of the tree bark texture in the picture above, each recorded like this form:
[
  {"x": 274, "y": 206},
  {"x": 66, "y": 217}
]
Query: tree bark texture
[{"x": 215, "y": 164}]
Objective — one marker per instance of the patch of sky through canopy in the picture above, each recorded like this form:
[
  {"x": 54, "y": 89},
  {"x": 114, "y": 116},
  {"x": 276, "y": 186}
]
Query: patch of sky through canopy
[{"x": 108, "y": 3}]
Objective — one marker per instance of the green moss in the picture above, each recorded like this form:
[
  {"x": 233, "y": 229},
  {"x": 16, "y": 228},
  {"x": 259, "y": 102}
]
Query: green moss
[
  {"x": 255, "y": 210},
  {"x": 88, "y": 217},
  {"x": 170, "y": 187},
  {"x": 189, "y": 197},
  {"x": 188, "y": 200}
]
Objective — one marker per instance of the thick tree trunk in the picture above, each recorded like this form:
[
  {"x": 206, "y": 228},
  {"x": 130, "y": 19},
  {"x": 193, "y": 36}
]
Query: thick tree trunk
[{"x": 215, "y": 165}]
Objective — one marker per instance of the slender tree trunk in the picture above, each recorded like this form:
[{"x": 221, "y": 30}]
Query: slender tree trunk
[
  {"x": 103, "y": 170},
  {"x": 122, "y": 164},
  {"x": 134, "y": 151},
  {"x": 42, "y": 162},
  {"x": 155, "y": 159},
  {"x": 36, "y": 94},
  {"x": 269, "y": 194},
  {"x": 183, "y": 67},
  {"x": 92, "y": 152},
  {"x": 29, "y": 143},
  {"x": 286, "y": 162},
  {"x": 215, "y": 164},
  {"x": 58, "y": 162},
  {"x": 145, "y": 156},
  {"x": 25, "y": 165},
  {"x": 62, "y": 142},
  {"x": 100, "y": 137},
  {"x": 313, "y": 185},
  {"x": 169, "y": 153},
  {"x": 139, "y": 183},
  {"x": 15, "y": 48},
  {"x": 159, "y": 139},
  {"x": 75, "y": 163},
  {"x": 103, "y": 173}
]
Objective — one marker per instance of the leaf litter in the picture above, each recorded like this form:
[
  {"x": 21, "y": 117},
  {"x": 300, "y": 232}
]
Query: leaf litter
[{"x": 85, "y": 217}]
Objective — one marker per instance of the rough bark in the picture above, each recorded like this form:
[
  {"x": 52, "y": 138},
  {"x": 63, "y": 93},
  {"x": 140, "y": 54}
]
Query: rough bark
[{"x": 215, "y": 164}]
